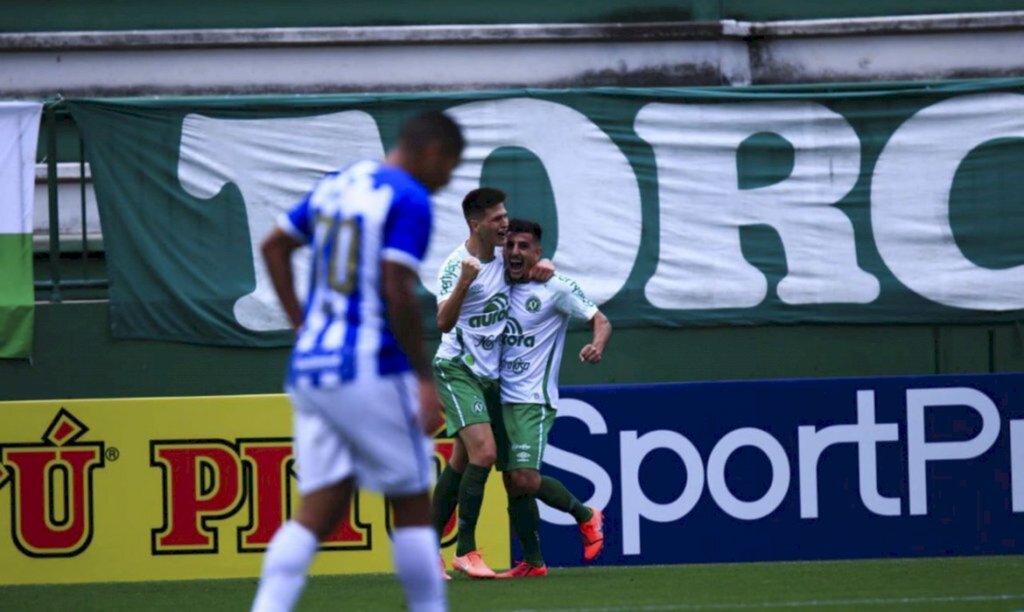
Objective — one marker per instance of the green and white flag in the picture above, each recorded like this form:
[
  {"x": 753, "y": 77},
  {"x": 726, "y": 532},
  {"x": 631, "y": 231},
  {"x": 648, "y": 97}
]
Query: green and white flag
[{"x": 19, "y": 133}]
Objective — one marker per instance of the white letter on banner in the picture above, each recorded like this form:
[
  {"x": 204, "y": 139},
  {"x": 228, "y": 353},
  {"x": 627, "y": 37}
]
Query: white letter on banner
[
  {"x": 866, "y": 433},
  {"x": 700, "y": 264},
  {"x": 635, "y": 503},
  {"x": 595, "y": 189},
  {"x": 920, "y": 451},
  {"x": 1017, "y": 464},
  {"x": 273, "y": 162},
  {"x": 910, "y": 193},
  {"x": 575, "y": 464},
  {"x": 719, "y": 488}
]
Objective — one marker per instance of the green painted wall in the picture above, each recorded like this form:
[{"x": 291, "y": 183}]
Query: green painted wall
[
  {"x": 70, "y": 15},
  {"x": 76, "y": 358}
]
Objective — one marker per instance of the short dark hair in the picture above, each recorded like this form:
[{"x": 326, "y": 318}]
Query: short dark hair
[
  {"x": 480, "y": 200},
  {"x": 524, "y": 226},
  {"x": 432, "y": 126}
]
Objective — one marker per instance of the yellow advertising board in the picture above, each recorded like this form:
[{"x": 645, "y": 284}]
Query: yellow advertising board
[{"x": 105, "y": 490}]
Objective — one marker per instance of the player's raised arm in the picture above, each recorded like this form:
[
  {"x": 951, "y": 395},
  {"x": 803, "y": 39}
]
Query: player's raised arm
[
  {"x": 448, "y": 309},
  {"x": 602, "y": 333},
  {"x": 277, "y": 250}
]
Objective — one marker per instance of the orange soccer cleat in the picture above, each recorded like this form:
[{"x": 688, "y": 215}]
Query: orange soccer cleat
[
  {"x": 472, "y": 564},
  {"x": 592, "y": 533},
  {"x": 524, "y": 570}
]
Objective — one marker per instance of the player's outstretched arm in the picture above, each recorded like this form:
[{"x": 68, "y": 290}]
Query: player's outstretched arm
[
  {"x": 602, "y": 330},
  {"x": 448, "y": 310},
  {"x": 277, "y": 250},
  {"x": 399, "y": 288}
]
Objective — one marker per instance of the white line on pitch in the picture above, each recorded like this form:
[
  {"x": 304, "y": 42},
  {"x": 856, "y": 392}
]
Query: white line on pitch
[{"x": 811, "y": 603}]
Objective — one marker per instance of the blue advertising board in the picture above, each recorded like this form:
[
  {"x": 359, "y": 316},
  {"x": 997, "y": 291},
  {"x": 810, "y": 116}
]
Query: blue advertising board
[{"x": 793, "y": 469}]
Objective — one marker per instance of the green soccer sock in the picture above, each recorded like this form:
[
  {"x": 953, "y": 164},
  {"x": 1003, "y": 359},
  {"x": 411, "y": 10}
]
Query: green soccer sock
[
  {"x": 554, "y": 494},
  {"x": 471, "y": 497},
  {"x": 525, "y": 519},
  {"x": 446, "y": 497}
]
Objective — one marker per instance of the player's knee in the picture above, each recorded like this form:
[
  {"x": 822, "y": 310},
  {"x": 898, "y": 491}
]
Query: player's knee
[
  {"x": 484, "y": 457},
  {"x": 524, "y": 482}
]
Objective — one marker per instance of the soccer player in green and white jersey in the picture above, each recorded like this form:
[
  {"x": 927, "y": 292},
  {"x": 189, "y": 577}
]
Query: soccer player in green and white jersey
[
  {"x": 472, "y": 308},
  {"x": 532, "y": 348}
]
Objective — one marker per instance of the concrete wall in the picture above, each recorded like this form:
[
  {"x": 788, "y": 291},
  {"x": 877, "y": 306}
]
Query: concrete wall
[
  {"x": 76, "y": 358},
  {"x": 451, "y": 58}
]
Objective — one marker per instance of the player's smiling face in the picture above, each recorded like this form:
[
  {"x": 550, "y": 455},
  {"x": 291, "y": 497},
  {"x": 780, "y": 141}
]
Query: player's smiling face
[
  {"x": 522, "y": 251},
  {"x": 493, "y": 226}
]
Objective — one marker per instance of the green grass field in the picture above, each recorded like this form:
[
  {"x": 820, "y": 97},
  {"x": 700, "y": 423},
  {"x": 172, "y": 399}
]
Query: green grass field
[{"x": 965, "y": 583}]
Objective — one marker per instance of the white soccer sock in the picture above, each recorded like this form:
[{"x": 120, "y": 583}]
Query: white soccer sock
[
  {"x": 284, "y": 568},
  {"x": 415, "y": 555}
]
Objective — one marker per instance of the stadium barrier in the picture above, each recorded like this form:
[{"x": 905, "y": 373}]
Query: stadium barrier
[
  {"x": 178, "y": 488},
  {"x": 794, "y": 469},
  {"x": 117, "y": 490}
]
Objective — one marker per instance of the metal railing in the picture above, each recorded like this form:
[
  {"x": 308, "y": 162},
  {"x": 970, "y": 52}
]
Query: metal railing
[{"x": 58, "y": 254}]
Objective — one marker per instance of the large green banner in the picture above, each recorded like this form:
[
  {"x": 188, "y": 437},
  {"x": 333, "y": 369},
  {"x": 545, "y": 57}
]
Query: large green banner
[{"x": 881, "y": 204}]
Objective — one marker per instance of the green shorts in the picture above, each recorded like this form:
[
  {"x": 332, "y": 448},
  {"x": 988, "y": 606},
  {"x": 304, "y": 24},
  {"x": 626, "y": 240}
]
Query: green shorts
[
  {"x": 467, "y": 399},
  {"x": 527, "y": 427}
]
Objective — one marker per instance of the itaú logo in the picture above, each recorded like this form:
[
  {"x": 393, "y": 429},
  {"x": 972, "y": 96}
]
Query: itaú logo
[
  {"x": 51, "y": 488},
  {"x": 866, "y": 434}
]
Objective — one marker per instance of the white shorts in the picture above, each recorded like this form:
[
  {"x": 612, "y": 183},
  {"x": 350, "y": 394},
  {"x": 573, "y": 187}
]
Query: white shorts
[{"x": 368, "y": 429}]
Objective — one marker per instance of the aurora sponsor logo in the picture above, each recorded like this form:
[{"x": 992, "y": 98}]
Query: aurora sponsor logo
[
  {"x": 495, "y": 311},
  {"x": 514, "y": 336}
]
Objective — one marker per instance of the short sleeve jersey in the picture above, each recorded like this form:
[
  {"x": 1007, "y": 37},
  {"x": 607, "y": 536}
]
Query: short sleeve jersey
[
  {"x": 475, "y": 339},
  {"x": 353, "y": 220},
  {"x": 532, "y": 345}
]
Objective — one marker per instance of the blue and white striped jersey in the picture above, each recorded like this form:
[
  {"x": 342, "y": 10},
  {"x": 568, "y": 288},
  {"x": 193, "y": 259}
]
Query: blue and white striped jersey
[{"x": 353, "y": 220}]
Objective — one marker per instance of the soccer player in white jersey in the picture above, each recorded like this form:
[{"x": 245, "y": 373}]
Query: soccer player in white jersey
[
  {"x": 531, "y": 355},
  {"x": 360, "y": 378},
  {"x": 472, "y": 307}
]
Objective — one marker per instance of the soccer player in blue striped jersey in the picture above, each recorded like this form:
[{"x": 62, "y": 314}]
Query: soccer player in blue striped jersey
[{"x": 359, "y": 377}]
